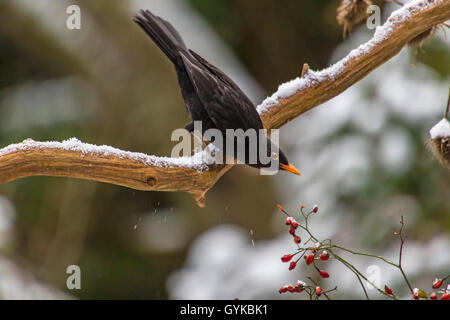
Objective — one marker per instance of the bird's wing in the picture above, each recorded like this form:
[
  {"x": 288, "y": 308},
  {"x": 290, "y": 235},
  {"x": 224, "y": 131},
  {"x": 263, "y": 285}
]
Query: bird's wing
[
  {"x": 216, "y": 71},
  {"x": 226, "y": 104}
]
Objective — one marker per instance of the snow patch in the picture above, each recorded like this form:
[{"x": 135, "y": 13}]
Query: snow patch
[
  {"x": 441, "y": 129},
  {"x": 195, "y": 162}
]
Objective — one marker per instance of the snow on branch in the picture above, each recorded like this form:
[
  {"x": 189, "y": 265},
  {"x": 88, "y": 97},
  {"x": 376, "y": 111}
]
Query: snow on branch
[
  {"x": 75, "y": 145},
  {"x": 72, "y": 158},
  {"x": 304, "y": 93}
]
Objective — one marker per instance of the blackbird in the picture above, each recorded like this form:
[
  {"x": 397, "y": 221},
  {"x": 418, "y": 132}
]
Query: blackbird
[{"x": 209, "y": 94}]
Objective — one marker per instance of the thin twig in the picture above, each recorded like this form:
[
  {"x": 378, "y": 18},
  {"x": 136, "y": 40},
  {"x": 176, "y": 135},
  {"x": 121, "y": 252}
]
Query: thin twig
[
  {"x": 353, "y": 268},
  {"x": 317, "y": 285},
  {"x": 357, "y": 275},
  {"x": 402, "y": 242},
  {"x": 365, "y": 254}
]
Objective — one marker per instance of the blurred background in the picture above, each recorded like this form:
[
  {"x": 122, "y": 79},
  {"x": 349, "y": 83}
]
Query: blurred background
[{"x": 362, "y": 155}]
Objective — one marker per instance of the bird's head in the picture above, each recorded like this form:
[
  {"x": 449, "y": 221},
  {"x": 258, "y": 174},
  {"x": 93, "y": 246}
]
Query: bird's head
[
  {"x": 285, "y": 165},
  {"x": 275, "y": 153}
]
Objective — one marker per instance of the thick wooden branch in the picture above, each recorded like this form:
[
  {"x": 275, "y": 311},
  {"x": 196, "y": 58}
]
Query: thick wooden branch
[
  {"x": 75, "y": 159},
  {"x": 143, "y": 172}
]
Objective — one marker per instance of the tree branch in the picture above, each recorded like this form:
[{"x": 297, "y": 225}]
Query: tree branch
[
  {"x": 143, "y": 172},
  {"x": 72, "y": 158}
]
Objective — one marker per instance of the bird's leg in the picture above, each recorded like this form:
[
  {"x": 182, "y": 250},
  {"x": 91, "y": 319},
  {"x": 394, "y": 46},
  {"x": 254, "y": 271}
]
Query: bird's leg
[
  {"x": 199, "y": 142},
  {"x": 197, "y": 137}
]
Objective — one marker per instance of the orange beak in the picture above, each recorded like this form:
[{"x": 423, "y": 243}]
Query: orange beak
[{"x": 290, "y": 168}]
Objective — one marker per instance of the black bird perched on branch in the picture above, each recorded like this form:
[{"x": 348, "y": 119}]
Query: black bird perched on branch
[{"x": 210, "y": 96}]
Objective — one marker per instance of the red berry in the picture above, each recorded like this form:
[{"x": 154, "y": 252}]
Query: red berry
[
  {"x": 300, "y": 285},
  {"x": 297, "y": 239},
  {"x": 291, "y": 288},
  {"x": 286, "y": 258},
  {"x": 292, "y": 230},
  {"x": 315, "y": 209},
  {"x": 324, "y": 274},
  {"x": 318, "y": 291},
  {"x": 283, "y": 289},
  {"x": 292, "y": 265},
  {"x": 324, "y": 256},
  {"x": 433, "y": 296},
  {"x": 309, "y": 258},
  {"x": 294, "y": 224},
  {"x": 418, "y": 293},
  {"x": 288, "y": 221},
  {"x": 437, "y": 283},
  {"x": 445, "y": 296},
  {"x": 387, "y": 290}
]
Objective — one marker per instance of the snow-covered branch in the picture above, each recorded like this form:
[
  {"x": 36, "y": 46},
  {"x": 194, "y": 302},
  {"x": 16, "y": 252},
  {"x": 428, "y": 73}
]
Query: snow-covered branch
[{"x": 73, "y": 158}]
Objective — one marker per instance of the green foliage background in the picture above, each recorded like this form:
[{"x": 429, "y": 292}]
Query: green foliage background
[{"x": 62, "y": 221}]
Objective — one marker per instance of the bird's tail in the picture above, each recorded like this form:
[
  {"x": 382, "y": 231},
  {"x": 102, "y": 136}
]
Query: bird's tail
[{"x": 162, "y": 33}]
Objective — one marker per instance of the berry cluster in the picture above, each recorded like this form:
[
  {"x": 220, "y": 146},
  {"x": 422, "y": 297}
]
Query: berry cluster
[
  {"x": 316, "y": 252},
  {"x": 418, "y": 294},
  {"x": 437, "y": 285},
  {"x": 311, "y": 254},
  {"x": 312, "y": 290}
]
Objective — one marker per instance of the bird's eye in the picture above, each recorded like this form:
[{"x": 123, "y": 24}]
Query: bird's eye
[{"x": 274, "y": 156}]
